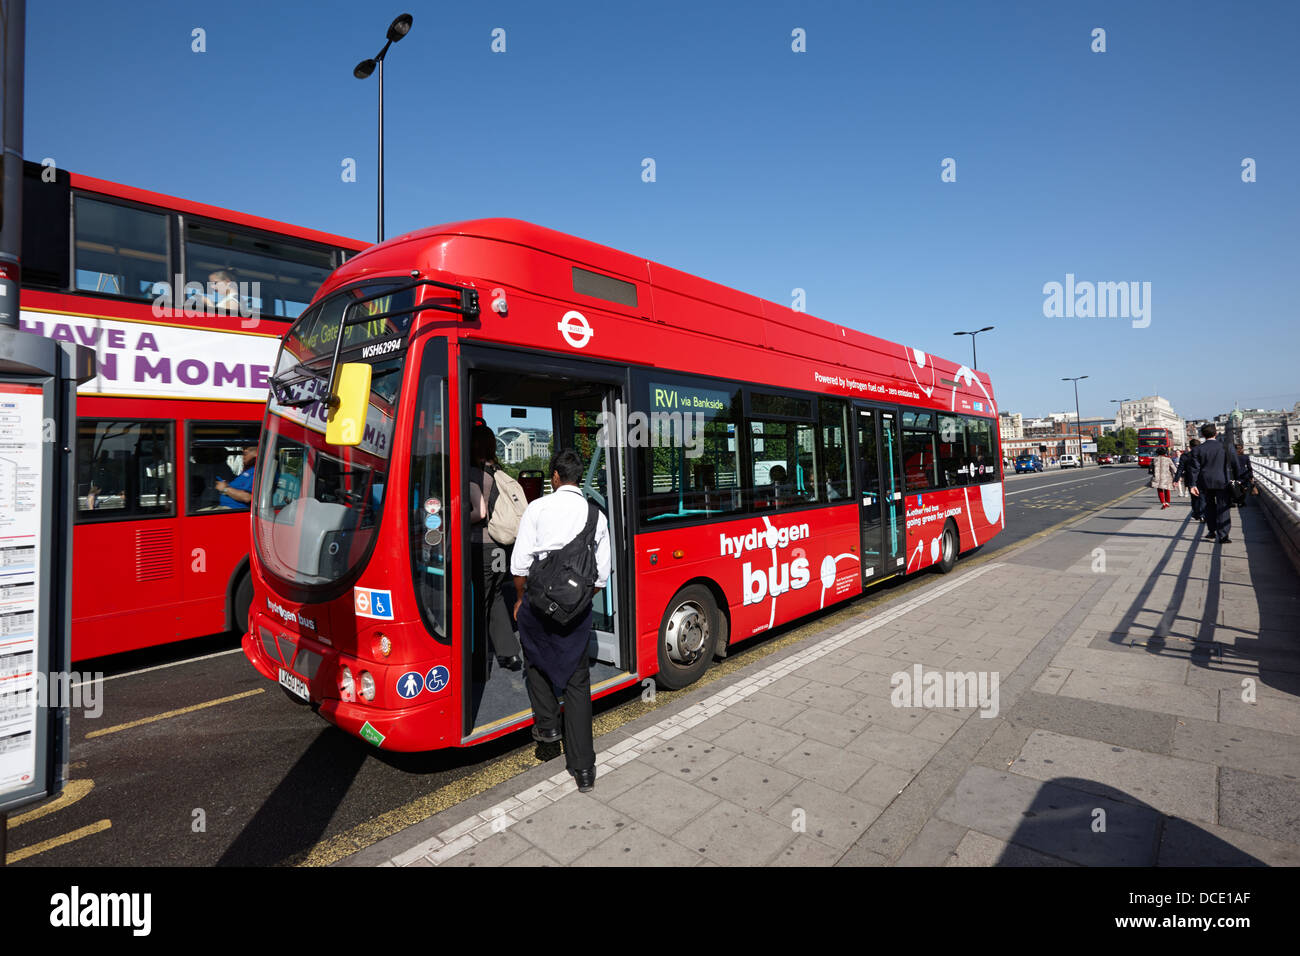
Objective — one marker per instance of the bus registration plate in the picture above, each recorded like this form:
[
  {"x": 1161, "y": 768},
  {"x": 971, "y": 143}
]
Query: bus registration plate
[{"x": 294, "y": 685}]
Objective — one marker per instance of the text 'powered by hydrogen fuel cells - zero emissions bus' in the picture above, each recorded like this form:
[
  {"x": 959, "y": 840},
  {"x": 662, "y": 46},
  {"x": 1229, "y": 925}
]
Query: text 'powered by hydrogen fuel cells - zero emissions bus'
[{"x": 755, "y": 465}]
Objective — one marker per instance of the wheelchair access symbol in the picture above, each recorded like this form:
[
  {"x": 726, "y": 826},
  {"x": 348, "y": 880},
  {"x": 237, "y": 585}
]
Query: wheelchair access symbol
[{"x": 437, "y": 679}]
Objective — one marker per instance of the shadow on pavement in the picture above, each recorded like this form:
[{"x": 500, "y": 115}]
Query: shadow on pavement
[
  {"x": 1091, "y": 824},
  {"x": 1270, "y": 650}
]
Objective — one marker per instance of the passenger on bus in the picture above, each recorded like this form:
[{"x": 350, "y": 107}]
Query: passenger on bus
[
  {"x": 224, "y": 291},
  {"x": 489, "y": 560},
  {"x": 103, "y": 481},
  {"x": 237, "y": 493},
  {"x": 780, "y": 489},
  {"x": 705, "y": 497}
]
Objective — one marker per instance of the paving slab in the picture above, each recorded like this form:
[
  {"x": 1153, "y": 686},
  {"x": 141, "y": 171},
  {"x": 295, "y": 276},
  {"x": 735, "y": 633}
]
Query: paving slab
[
  {"x": 730, "y": 835},
  {"x": 1264, "y": 805}
]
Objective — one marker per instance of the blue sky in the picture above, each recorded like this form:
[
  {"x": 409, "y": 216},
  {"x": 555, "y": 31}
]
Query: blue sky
[{"x": 775, "y": 170}]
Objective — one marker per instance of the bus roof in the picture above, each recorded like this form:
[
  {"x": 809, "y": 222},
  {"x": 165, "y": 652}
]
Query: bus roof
[
  {"x": 150, "y": 198},
  {"x": 779, "y": 327}
]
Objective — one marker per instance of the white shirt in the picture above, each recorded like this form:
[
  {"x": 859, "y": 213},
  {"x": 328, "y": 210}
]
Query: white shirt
[{"x": 551, "y": 522}]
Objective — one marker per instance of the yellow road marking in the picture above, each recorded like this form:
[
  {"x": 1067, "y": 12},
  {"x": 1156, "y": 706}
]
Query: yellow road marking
[
  {"x": 175, "y": 713},
  {"x": 58, "y": 841},
  {"x": 511, "y": 765},
  {"x": 73, "y": 791}
]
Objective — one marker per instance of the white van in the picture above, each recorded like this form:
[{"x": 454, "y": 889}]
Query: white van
[{"x": 1069, "y": 461}]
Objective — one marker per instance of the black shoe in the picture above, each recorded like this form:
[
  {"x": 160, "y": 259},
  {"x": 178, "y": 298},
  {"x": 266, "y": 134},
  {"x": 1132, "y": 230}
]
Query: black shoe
[
  {"x": 546, "y": 736},
  {"x": 1225, "y": 541},
  {"x": 512, "y": 663},
  {"x": 586, "y": 779},
  {"x": 1210, "y": 535},
  {"x": 1201, "y": 520}
]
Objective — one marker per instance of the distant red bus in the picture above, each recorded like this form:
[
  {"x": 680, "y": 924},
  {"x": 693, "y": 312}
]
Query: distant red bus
[
  {"x": 755, "y": 465},
  {"x": 159, "y": 554},
  {"x": 1149, "y": 439}
]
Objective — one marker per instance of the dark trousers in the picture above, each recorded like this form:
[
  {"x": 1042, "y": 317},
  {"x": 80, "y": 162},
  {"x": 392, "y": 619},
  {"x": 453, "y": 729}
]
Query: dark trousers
[
  {"x": 1198, "y": 505},
  {"x": 491, "y": 616},
  {"x": 1218, "y": 511},
  {"x": 558, "y": 657},
  {"x": 579, "y": 750}
]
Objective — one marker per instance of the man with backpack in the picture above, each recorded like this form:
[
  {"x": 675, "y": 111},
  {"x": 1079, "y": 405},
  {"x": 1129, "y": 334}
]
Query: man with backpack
[
  {"x": 494, "y": 517},
  {"x": 561, "y": 556}
]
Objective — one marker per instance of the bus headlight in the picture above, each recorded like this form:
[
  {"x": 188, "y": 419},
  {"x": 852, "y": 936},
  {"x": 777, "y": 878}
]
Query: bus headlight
[
  {"x": 346, "y": 686},
  {"x": 367, "y": 685}
]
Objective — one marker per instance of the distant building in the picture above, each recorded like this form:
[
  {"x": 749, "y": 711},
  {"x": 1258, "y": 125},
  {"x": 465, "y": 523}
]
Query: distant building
[
  {"x": 1011, "y": 425},
  {"x": 1045, "y": 446},
  {"x": 1265, "y": 432},
  {"x": 516, "y": 444},
  {"x": 1150, "y": 412},
  {"x": 1193, "y": 428},
  {"x": 1096, "y": 427}
]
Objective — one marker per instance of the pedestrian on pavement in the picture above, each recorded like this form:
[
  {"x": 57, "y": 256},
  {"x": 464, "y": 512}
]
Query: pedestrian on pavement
[
  {"x": 1183, "y": 474},
  {"x": 557, "y": 653},
  {"x": 1214, "y": 466},
  {"x": 1162, "y": 476},
  {"x": 1246, "y": 477}
]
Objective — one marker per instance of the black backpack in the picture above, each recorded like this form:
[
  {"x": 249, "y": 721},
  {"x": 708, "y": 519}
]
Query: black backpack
[{"x": 561, "y": 585}]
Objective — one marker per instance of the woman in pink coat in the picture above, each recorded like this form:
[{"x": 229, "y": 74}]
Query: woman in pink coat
[{"x": 1162, "y": 476}]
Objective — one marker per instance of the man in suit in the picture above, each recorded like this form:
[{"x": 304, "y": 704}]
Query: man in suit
[
  {"x": 1184, "y": 474},
  {"x": 1214, "y": 465}
]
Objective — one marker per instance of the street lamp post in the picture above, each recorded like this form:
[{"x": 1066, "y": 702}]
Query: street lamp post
[
  {"x": 1118, "y": 426},
  {"x": 1078, "y": 421},
  {"x": 396, "y": 30},
  {"x": 973, "y": 360}
]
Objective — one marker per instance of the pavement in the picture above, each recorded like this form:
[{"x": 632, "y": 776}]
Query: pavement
[{"x": 1134, "y": 700}]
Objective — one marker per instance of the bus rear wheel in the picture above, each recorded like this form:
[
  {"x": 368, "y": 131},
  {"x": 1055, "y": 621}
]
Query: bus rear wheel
[
  {"x": 947, "y": 549},
  {"x": 687, "y": 635}
]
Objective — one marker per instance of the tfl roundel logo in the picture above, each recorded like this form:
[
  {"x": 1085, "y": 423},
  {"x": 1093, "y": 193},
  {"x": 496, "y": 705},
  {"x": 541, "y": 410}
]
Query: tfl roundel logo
[
  {"x": 373, "y": 603},
  {"x": 575, "y": 328}
]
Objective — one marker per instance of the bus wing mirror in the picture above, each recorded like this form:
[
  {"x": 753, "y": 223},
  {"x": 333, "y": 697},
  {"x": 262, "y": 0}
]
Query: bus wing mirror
[{"x": 347, "y": 419}]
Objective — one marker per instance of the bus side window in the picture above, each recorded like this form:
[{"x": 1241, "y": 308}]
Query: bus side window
[
  {"x": 120, "y": 250},
  {"x": 125, "y": 469}
]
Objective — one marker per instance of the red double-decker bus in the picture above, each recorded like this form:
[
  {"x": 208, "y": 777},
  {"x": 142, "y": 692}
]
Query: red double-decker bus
[
  {"x": 1149, "y": 439},
  {"x": 755, "y": 466},
  {"x": 184, "y": 305}
]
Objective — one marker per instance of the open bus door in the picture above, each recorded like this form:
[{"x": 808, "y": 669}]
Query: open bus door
[{"x": 880, "y": 498}]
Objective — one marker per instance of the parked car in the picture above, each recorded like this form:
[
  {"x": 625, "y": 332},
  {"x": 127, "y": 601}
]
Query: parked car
[
  {"x": 1105, "y": 459},
  {"x": 1069, "y": 461},
  {"x": 1030, "y": 463},
  {"x": 1128, "y": 459}
]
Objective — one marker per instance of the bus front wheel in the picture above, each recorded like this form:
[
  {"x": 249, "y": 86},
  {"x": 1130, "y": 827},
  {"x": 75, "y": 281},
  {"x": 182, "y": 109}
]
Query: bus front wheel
[
  {"x": 243, "y": 603},
  {"x": 687, "y": 635}
]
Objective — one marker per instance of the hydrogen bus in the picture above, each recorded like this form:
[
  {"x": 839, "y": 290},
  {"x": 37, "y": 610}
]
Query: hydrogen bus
[
  {"x": 160, "y": 551},
  {"x": 755, "y": 465},
  {"x": 1149, "y": 439}
]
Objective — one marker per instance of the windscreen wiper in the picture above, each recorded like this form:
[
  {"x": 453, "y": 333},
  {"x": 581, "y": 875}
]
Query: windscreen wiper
[{"x": 282, "y": 387}]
